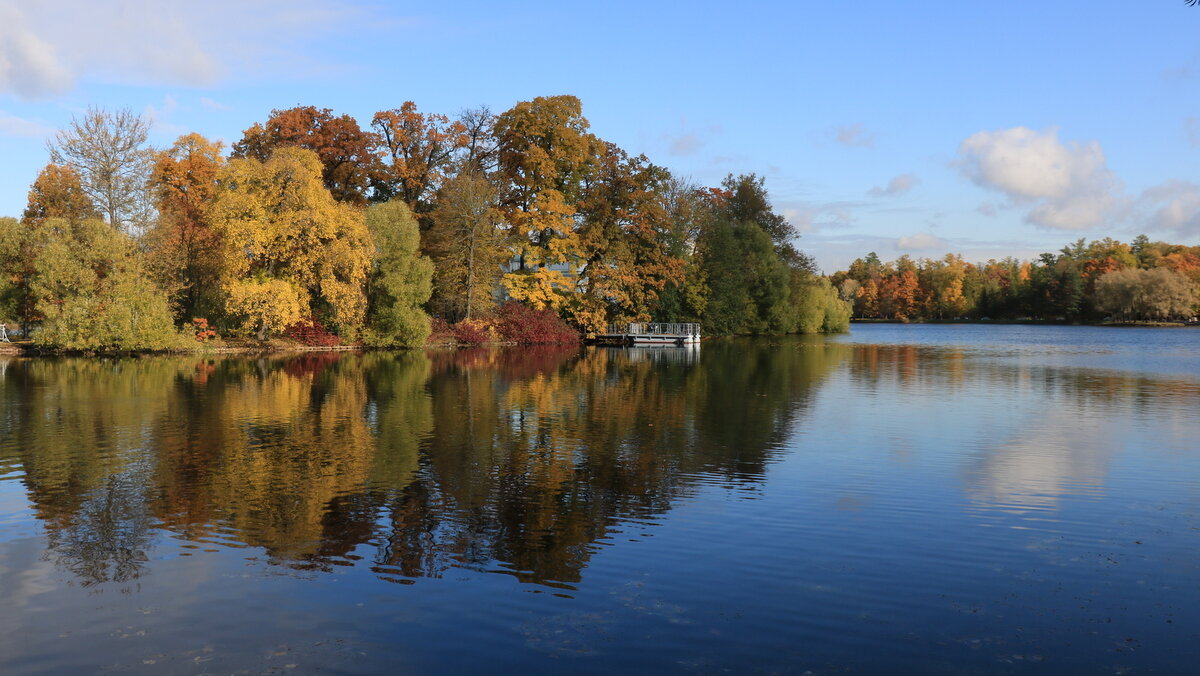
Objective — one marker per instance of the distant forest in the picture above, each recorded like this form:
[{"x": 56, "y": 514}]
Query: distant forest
[
  {"x": 1084, "y": 282},
  {"x": 318, "y": 228}
]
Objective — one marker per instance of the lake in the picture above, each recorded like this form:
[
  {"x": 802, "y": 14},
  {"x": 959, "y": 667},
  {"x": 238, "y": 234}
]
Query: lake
[{"x": 922, "y": 498}]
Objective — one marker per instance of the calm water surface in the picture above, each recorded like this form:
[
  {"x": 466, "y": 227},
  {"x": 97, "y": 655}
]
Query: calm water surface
[{"x": 942, "y": 499}]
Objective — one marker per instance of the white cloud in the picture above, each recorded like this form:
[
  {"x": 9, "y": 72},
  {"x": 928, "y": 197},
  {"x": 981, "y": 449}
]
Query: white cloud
[
  {"x": 1173, "y": 205},
  {"x": 922, "y": 241},
  {"x": 29, "y": 66},
  {"x": 810, "y": 217},
  {"x": 854, "y": 136},
  {"x": 1068, "y": 186},
  {"x": 159, "y": 116},
  {"x": 11, "y": 125},
  {"x": 47, "y": 46},
  {"x": 897, "y": 186}
]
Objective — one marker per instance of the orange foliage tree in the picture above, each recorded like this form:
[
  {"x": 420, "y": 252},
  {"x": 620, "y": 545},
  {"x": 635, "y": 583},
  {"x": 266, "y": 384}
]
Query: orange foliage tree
[
  {"x": 183, "y": 182},
  {"x": 346, "y": 152},
  {"x": 418, "y": 149},
  {"x": 624, "y": 239}
]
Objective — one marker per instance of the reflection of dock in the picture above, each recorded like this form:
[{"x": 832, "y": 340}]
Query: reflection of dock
[
  {"x": 688, "y": 354},
  {"x": 665, "y": 334}
]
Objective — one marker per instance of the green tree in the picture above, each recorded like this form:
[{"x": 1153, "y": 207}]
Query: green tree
[
  {"x": 747, "y": 281},
  {"x": 55, "y": 195},
  {"x": 93, "y": 292},
  {"x": 401, "y": 278}
]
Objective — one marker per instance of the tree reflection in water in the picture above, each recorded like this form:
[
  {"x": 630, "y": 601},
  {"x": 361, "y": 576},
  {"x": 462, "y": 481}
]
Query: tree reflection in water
[{"x": 517, "y": 461}]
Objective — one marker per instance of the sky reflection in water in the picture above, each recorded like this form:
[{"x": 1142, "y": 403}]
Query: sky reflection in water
[{"x": 933, "y": 498}]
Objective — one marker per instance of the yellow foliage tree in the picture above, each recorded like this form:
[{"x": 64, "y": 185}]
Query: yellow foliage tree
[
  {"x": 266, "y": 304},
  {"x": 546, "y": 153},
  {"x": 288, "y": 248}
]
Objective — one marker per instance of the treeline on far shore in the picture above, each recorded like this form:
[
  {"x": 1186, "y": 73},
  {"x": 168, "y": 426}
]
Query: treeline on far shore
[
  {"x": 1098, "y": 281},
  {"x": 519, "y": 226}
]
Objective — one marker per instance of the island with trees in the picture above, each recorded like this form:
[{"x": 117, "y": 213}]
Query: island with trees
[{"x": 517, "y": 227}]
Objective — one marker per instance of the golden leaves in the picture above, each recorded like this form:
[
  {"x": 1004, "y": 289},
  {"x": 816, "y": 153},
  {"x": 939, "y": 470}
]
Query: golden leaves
[
  {"x": 278, "y": 222},
  {"x": 269, "y": 305}
]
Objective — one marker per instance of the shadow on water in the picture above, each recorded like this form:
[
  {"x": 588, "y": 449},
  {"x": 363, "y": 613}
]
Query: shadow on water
[{"x": 516, "y": 461}]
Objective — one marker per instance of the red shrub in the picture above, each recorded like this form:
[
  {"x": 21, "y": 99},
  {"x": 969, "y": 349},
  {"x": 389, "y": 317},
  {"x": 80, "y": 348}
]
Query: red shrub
[
  {"x": 474, "y": 332},
  {"x": 204, "y": 332},
  {"x": 523, "y": 325},
  {"x": 310, "y": 331},
  {"x": 441, "y": 332}
]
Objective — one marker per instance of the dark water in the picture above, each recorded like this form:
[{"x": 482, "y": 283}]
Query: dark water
[{"x": 937, "y": 499}]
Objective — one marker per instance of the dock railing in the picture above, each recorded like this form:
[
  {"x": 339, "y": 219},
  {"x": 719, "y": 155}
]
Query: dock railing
[{"x": 656, "y": 329}]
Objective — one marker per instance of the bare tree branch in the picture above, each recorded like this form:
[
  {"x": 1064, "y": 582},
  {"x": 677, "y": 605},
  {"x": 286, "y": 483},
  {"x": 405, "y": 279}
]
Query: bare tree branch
[{"x": 109, "y": 151}]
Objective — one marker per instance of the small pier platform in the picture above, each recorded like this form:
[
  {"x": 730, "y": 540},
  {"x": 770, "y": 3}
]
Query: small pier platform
[{"x": 667, "y": 334}]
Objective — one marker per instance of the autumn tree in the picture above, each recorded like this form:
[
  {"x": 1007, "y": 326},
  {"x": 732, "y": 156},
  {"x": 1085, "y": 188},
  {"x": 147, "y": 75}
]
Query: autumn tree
[
  {"x": 481, "y": 152},
  {"x": 469, "y": 245},
  {"x": 1184, "y": 261},
  {"x": 182, "y": 243},
  {"x": 108, "y": 151},
  {"x": 899, "y": 292},
  {"x": 400, "y": 281},
  {"x": 58, "y": 193},
  {"x": 418, "y": 150},
  {"x": 288, "y": 247},
  {"x": 346, "y": 152},
  {"x": 945, "y": 287},
  {"x": 625, "y": 238},
  {"x": 1064, "y": 285},
  {"x": 546, "y": 152}
]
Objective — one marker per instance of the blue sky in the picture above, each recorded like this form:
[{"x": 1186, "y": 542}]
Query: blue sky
[{"x": 990, "y": 129}]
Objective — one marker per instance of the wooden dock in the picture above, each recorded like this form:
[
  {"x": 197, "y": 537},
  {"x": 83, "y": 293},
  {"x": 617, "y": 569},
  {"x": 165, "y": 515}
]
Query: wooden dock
[{"x": 666, "y": 334}]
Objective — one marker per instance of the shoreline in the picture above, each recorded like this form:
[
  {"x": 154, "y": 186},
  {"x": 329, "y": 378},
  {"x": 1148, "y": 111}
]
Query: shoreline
[
  {"x": 274, "y": 348},
  {"x": 1032, "y": 322},
  {"x": 27, "y": 349}
]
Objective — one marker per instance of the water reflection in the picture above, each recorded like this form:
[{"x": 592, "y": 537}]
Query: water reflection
[
  {"x": 755, "y": 506},
  {"x": 512, "y": 461},
  {"x": 1027, "y": 434}
]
